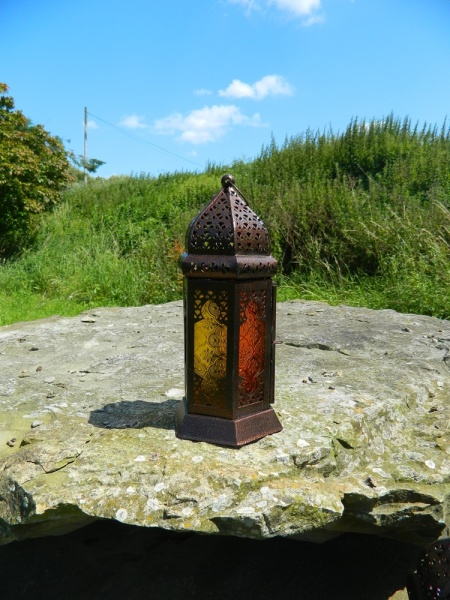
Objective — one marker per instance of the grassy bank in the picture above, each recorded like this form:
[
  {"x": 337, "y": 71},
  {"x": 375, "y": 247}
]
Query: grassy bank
[{"x": 360, "y": 218}]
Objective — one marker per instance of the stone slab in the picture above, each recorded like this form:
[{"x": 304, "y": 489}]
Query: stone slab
[{"x": 87, "y": 409}]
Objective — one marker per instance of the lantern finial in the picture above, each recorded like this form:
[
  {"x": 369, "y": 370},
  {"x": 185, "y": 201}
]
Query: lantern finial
[{"x": 227, "y": 180}]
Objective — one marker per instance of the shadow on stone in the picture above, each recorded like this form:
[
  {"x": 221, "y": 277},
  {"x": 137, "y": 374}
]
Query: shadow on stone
[
  {"x": 135, "y": 415},
  {"x": 111, "y": 561}
]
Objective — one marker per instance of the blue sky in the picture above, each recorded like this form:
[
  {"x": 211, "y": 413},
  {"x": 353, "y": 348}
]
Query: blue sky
[{"x": 172, "y": 85}]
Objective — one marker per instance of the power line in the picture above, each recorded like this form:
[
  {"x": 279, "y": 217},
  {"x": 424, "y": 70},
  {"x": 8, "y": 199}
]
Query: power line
[{"x": 139, "y": 139}]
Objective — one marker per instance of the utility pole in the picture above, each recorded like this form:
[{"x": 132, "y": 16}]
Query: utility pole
[{"x": 85, "y": 145}]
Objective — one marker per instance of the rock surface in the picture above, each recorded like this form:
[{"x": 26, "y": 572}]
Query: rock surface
[{"x": 86, "y": 429}]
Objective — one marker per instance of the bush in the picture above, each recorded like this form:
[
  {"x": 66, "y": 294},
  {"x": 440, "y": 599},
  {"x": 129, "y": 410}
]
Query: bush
[{"x": 33, "y": 172}]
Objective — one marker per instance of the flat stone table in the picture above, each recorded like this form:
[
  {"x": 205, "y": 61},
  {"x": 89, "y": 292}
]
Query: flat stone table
[{"x": 87, "y": 429}]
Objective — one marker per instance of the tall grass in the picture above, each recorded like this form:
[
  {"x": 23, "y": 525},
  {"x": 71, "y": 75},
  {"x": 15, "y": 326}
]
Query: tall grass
[
  {"x": 363, "y": 216},
  {"x": 113, "y": 242},
  {"x": 360, "y": 218}
]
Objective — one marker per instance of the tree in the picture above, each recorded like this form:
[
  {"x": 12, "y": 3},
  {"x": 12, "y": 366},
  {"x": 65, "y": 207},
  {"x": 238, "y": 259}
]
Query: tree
[
  {"x": 81, "y": 165},
  {"x": 34, "y": 170}
]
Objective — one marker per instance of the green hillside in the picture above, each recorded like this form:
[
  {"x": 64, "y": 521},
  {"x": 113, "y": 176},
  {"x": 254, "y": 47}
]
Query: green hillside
[{"x": 359, "y": 218}]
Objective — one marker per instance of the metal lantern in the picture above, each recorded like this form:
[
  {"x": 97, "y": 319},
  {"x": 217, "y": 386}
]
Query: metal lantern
[{"x": 229, "y": 324}]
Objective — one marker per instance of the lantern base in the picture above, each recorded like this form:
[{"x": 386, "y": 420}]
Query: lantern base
[{"x": 225, "y": 432}]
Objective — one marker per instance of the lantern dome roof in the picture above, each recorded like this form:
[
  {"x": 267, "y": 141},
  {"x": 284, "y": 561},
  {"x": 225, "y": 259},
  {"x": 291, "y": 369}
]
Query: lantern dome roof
[{"x": 227, "y": 239}]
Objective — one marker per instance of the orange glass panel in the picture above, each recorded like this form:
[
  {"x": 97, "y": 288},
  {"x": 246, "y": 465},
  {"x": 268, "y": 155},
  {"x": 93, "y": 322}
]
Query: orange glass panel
[{"x": 252, "y": 335}]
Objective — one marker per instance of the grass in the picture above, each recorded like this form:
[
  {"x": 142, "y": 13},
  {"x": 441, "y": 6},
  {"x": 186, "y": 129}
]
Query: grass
[
  {"x": 28, "y": 307},
  {"x": 359, "y": 218}
]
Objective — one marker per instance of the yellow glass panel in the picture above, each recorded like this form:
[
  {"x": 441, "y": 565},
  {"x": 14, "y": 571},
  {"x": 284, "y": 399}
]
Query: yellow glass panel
[{"x": 210, "y": 356}]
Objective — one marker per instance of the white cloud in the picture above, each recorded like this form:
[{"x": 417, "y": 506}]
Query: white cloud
[
  {"x": 92, "y": 124},
  {"x": 207, "y": 124},
  {"x": 133, "y": 122},
  {"x": 270, "y": 85},
  {"x": 203, "y": 92},
  {"x": 314, "y": 20},
  {"x": 299, "y": 8},
  {"x": 249, "y": 5}
]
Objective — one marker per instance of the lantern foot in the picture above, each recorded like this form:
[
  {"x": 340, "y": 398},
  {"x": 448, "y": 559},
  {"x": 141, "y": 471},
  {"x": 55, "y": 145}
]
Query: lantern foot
[{"x": 225, "y": 432}]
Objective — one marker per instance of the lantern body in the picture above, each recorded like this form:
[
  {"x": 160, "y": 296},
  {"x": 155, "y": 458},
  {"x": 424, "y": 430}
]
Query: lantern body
[{"x": 229, "y": 310}]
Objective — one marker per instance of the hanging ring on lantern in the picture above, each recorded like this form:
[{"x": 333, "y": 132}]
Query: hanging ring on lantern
[{"x": 229, "y": 181}]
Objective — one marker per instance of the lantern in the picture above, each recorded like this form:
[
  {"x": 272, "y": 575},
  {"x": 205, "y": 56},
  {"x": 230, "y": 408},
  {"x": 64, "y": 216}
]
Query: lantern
[{"x": 229, "y": 324}]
